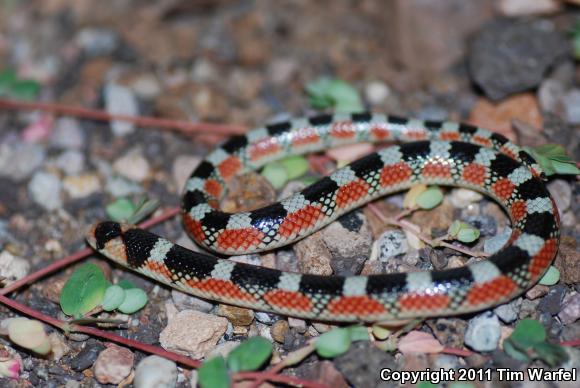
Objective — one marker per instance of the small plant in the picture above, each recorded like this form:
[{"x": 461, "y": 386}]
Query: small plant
[
  {"x": 13, "y": 87},
  {"x": 125, "y": 210},
  {"x": 327, "y": 93},
  {"x": 248, "y": 356},
  {"x": 553, "y": 159},
  {"x": 528, "y": 342},
  {"x": 88, "y": 291}
]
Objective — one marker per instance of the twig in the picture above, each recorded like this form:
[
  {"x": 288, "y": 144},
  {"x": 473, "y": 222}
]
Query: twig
[
  {"x": 95, "y": 114},
  {"x": 571, "y": 343},
  {"x": 458, "y": 352},
  {"x": 410, "y": 227}
]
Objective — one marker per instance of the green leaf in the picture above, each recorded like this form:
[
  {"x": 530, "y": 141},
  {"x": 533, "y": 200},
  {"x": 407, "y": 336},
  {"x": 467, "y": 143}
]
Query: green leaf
[
  {"x": 276, "y": 174},
  {"x": 454, "y": 228},
  {"x": 468, "y": 235},
  {"x": 114, "y": 296},
  {"x": 565, "y": 168},
  {"x": 295, "y": 166},
  {"x": 126, "y": 285},
  {"x": 135, "y": 299},
  {"x": 145, "y": 208},
  {"x": 120, "y": 210},
  {"x": 551, "y": 277},
  {"x": 429, "y": 198},
  {"x": 333, "y": 343},
  {"x": 7, "y": 78},
  {"x": 527, "y": 333},
  {"x": 214, "y": 374},
  {"x": 358, "y": 333},
  {"x": 84, "y": 290},
  {"x": 514, "y": 352},
  {"x": 24, "y": 89},
  {"x": 553, "y": 159},
  {"x": 426, "y": 384},
  {"x": 551, "y": 354},
  {"x": 250, "y": 354},
  {"x": 334, "y": 93}
]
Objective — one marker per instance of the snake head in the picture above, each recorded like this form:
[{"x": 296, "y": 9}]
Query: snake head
[{"x": 106, "y": 237}]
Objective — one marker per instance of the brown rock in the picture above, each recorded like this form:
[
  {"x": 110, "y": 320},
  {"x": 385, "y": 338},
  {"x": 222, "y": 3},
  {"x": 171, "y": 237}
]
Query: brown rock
[
  {"x": 193, "y": 333},
  {"x": 498, "y": 117},
  {"x": 248, "y": 192},
  {"x": 113, "y": 364},
  {"x": 568, "y": 261},
  {"x": 449, "y": 331},
  {"x": 279, "y": 330},
  {"x": 238, "y": 316},
  {"x": 313, "y": 255},
  {"x": 378, "y": 226},
  {"x": 537, "y": 291},
  {"x": 438, "y": 218}
]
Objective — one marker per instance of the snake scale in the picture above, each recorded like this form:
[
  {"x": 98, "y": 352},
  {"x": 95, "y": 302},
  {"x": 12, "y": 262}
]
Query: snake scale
[{"x": 430, "y": 152}]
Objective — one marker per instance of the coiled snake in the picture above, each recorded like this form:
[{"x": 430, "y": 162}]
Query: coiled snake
[{"x": 442, "y": 153}]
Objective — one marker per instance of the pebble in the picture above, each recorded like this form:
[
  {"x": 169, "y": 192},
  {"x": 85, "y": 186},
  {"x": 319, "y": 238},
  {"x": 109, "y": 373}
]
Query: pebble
[
  {"x": 562, "y": 194},
  {"x": 146, "y": 87},
  {"x": 461, "y": 198},
  {"x": 449, "y": 331},
  {"x": 570, "y": 309},
  {"x": 58, "y": 346},
  {"x": 185, "y": 301},
  {"x": 485, "y": 223},
  {"x": 238, "y": 316},
  {"x": 71, "y": 162},
  {"x": 19, "y": 160},
  {"x": 120, "y": 187},
  {"x": 537, "y": 292},
  {"x": 376, "y": 92},
  {"x": 392, "y": 243},
  {"x": 120, "y": 100},
  {"x": 81, "y": 186},
  {"x": 483, "y": 332},
  {"x": 282, "y": 69},
  {"x": 247, "y": 192},
  {"x": 349, "y": 236},
  {"x": 571, "y": 102},
  {"x": 87, "y": 356},
  {"x": 265, "y": 318},
  {"x": 494, "y": 244},
  {"x": 113, "y": 365},
  {"x": 360, "y": 363},
  {"x": 508, "y": 312},
  {"x": 155, "y": 372},
  {"x": 97, "y": 41},
  {"x": 193, "y": 333},
  {"x": 298, "y": 324},
  {"x": 13, "y": 267},
  {"x": 133, "y": 165},
  {"x": 568, "y": 260},
  {"x": 552, "y": 302},
  {"x": 183, "y": 165},
  {"x": 67, "y": 134},
  {"x": 529, "y": 309},
  {"x": 507, "y": 57},
  {"x": 348, "y": 153},
  {"x": 515, "y": 8},
  {"x": 279, "y": 329},
  {"x": 45, "y": 189},
  {"x": 222, "y": 349}
]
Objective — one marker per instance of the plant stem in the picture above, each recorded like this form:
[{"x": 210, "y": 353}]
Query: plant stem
[{"x": 95, "y": 114}]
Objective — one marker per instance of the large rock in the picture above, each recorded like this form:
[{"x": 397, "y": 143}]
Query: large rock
[{"x": 507, "y": 57}]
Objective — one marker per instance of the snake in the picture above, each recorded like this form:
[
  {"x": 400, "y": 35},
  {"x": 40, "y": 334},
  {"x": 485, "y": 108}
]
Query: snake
[{"x": 421, "y": 152}]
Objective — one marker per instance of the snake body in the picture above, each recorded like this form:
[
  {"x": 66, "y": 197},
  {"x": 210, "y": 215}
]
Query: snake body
[{"x": 441, "y": 153}]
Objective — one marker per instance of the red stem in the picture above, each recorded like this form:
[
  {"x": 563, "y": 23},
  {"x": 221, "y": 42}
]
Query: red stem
[
  {"x": 571, "y": 343},
  {"x": 458, "y": 352},
  {"x": 95, "y": 114}
]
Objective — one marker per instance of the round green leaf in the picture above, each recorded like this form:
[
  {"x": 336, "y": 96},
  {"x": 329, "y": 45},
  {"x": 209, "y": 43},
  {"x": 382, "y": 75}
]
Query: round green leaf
[
  {"x": 551, "y": 354},
  {"x": 527, "y": 332},
  {"x": 514, "y": 352},
  {"x": 333, "y": 343},
  {"x": 250, "y": 354},
  {"x": 114, "y": 296},
  {"x": 429, "y": 198},
  {"x": 358, "y": 333},
  {"x": 454, "y": 228},
  {"x": 295, "y": 166},
  {"x": 25, "y": 89},
  {"x": 468, "y": 234},
  {"x": 214, "y": 374},
  {"x": 84, "y": 290},
  {"x": 126, "y": 285},
  {"x": 120, "y": 210},
  {"x": 135, "y": 299},
  {"x": 276, "y": 174},
  {"x": 551, "y": 277}
]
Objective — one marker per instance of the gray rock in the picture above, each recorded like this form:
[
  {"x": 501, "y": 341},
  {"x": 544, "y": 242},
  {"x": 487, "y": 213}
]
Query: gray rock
[
  {"x": 551, "y": 302},
  {"x": 87, "y": 356},
  {"x": 155, "y": 372},
  {"x": 67, "y": 134},
  {"x": 485, "y": 223},
  {"x": 71, "y": 162},
  {"x": 508, "y": 57},
  {"x": 19, "y": 160},
  {"x": 97, "y": 41},
  {"x": 265, "y": 318},
  {"x": 392, "y": 243},
  {"x": 509, "y": 312},
  {"x": 188, "y": 302},
  {"x": 120, "y": 100},
  {"x": 120, "y": 187},
  {"x": 570, "y": 310},
  {"x": 494, "y": 244},
  {"x": 45, "y": 189},
  {"x": 571, "y": 102},
  {"x": 360, "y": 364},
  {"x": 483, "y": 332},
  {"x": 562, "y": 193}
]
